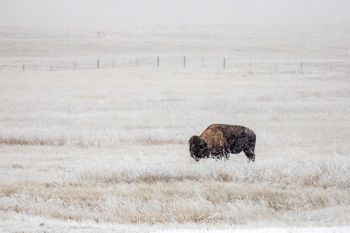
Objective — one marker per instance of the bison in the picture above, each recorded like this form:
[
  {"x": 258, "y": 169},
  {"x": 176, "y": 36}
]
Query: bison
[{"x": 219, "y": 141}]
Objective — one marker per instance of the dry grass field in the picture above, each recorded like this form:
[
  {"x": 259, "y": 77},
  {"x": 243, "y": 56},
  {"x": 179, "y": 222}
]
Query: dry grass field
[{"x": 92, "y": 148}]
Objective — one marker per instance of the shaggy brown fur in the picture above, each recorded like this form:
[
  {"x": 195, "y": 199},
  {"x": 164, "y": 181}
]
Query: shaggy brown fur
[{"x": 219, "y": 141}]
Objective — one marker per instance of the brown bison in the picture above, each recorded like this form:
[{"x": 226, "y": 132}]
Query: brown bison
[{"x": 219, "y": 141}]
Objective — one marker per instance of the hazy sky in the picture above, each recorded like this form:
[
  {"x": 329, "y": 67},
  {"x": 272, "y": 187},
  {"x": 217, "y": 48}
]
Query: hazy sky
[{"x": 86, "y": 12}]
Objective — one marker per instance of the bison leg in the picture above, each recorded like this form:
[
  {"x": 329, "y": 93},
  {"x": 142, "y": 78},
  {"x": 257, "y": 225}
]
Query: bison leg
[
  {"x": 216, "y": 156},
  {"x": 226, "y": 155},
  {"x": 250, "y": 154}
]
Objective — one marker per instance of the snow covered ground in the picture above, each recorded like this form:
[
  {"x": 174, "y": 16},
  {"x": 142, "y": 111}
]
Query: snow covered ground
[
  {"x": 106, "y": 150},
  {"x": 9, "y": 223}
]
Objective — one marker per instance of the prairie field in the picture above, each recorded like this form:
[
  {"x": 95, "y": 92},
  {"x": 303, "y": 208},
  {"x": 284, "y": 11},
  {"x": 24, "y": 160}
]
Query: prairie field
[{"x": 104, "y": 150}]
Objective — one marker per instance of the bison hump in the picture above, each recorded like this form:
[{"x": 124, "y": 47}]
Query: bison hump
[{"x": 214, "y": 137}]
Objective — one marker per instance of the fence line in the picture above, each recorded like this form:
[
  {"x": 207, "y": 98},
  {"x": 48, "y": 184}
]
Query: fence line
[{"x": 225, "y": 63}]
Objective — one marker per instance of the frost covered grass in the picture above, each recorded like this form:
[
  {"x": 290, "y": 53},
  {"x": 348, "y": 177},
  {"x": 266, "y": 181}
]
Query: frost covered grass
[
  {"x": 106, "y": 151},
  {"x": 111, "y": 147}
]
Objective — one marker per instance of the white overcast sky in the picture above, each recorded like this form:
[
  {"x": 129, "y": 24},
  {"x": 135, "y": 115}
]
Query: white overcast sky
[{"x": 98, "y": 12}]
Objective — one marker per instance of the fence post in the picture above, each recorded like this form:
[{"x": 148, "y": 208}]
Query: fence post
[
  {"x": 301, "y": 67},
  {"x": 184, "y": 61},
  {"x": 23, "y": 67},
  {"x": 224, "y": 63},
  {"x": 158, "y": 61},
  {"x": 98, "y": 63}
]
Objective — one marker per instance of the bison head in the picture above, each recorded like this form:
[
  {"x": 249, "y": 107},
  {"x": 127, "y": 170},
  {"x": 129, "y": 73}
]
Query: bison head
[{"x": 198, "y": 148}]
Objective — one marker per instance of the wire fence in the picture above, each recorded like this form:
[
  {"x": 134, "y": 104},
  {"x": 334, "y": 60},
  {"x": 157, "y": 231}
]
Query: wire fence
[{"x": 180, "y": 62}]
